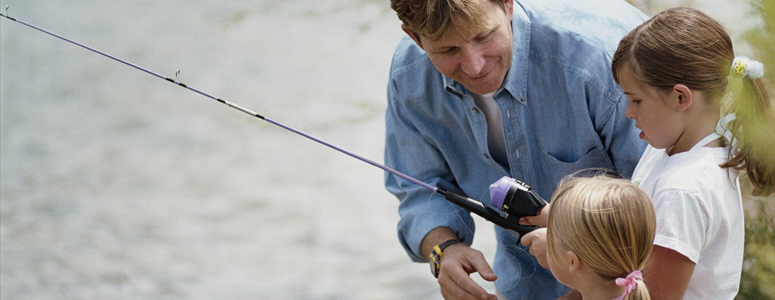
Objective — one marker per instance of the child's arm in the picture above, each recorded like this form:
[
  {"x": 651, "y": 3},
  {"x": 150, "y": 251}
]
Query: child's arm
[
  {"x": 539, "y": 220},
  {"x": 667, "y": 273},
  {"x": 536, "y": 240}
]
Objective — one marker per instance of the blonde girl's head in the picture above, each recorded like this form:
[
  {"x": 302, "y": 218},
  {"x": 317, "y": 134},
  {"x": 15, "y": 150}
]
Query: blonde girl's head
[
  {"x": 608, "y": 223},
  {"x": 685, "y": 46}
]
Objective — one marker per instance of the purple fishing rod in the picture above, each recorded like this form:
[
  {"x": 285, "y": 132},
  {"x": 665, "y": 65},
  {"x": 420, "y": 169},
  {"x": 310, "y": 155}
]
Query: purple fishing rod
[{"x": 514, "y": 198}]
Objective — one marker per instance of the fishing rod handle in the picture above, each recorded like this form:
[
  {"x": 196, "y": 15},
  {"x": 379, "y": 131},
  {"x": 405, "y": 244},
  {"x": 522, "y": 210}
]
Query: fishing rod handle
[{"x": 490, "y": 215}]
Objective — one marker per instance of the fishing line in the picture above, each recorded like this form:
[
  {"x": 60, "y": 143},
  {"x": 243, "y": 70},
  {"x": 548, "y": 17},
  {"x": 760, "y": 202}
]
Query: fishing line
[{"x": 474, "y": 206}]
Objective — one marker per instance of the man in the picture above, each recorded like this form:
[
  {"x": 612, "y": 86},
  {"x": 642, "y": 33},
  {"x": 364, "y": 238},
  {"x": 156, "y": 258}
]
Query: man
[{"x": 481, "y": 89}]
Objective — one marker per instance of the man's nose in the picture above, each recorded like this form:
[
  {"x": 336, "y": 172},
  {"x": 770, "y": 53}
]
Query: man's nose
[{"x": 472, "y": 61}]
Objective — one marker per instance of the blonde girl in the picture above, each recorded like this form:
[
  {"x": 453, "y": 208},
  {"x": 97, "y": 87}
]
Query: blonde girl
[
  {"x": 674, "y": 69},
  {"x": 600, "y": 233}
]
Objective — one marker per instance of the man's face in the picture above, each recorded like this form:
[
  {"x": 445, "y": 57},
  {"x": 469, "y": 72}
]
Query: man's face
[{"x": 479, "y": 60}]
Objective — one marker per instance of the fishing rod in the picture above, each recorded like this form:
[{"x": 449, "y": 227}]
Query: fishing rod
[{"x": 514, "y": 198}]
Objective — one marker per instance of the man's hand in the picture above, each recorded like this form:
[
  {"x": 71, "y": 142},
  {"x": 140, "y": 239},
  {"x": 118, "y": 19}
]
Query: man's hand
[
  {"x": 536, "y": 240},
  {"x": 458, "y": 262}
]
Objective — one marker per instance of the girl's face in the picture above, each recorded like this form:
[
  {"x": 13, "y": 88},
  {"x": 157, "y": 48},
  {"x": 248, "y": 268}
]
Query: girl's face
[
  {"x": 559, "y": 263},
  {"x": 660, "y": 125}
]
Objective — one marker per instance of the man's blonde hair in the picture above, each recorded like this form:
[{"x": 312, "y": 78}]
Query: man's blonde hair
[
  {"x": 431, "y": 18},
  {"x": 608, "y": 223}
]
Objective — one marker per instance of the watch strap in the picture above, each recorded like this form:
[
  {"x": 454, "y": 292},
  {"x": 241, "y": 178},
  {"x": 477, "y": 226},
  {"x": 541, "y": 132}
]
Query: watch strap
[{"x": 437, "y": 253}]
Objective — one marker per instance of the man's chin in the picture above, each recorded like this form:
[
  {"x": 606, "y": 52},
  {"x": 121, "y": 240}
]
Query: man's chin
[{"x": 482, "y": 89}]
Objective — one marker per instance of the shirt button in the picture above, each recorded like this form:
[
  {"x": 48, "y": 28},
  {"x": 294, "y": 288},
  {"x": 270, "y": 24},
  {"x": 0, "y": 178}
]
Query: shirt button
[
  {"x": 476, "y": 110},
  {"x": 486, "y": 156},
  {"x": 522, "y": 99}
]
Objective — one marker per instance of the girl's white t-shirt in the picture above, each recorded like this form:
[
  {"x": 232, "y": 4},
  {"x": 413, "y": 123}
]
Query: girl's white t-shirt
[{"x": 699, "y": 215}]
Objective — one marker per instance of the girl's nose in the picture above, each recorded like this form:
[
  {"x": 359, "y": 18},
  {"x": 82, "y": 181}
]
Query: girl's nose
[{"x": 630, "y": 112}]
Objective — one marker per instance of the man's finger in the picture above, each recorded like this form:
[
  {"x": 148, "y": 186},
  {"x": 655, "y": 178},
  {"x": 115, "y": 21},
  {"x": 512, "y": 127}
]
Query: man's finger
[
  {"x": 455, "y": 287},
  {"x": 481, "y": 266}
]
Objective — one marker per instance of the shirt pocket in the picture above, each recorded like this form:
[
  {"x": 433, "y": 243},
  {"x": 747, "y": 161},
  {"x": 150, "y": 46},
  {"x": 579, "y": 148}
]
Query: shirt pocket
[{"x": 554, "y": 169}]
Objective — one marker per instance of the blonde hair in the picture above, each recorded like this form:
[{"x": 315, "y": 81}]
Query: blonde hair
[
  {"x": 609, "y": 223},
  {"x": 685, "y": 46},
  {"x": 431, "y": 18}
]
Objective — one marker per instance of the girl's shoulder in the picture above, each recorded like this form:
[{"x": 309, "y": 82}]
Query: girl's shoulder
[
  {"x": 699, "y": 161},
  {"x": 698, "y": 173},
  {"x": 695, "y": 172}
]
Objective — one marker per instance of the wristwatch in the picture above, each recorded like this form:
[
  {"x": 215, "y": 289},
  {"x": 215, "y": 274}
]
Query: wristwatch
[{"x": 438, "y": 251}]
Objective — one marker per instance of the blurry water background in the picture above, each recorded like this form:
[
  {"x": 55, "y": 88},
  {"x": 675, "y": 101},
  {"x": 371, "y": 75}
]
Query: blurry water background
[{"x": 117, "y": 185}]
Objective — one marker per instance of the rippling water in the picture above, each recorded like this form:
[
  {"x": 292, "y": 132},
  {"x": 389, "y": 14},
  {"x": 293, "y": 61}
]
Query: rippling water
[{"x": 118, "y": 185}]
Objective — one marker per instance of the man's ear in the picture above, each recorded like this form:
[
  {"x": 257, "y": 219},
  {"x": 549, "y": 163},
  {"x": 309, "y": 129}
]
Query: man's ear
[
  {"x": 412, "y": 35},
  {"x": 681, "y": 97},
  {"x": 509, "y": 5}
]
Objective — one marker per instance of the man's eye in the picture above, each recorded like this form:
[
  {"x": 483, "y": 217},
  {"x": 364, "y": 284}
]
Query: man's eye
[
  {"x": 446, "y": 51},
  {"x": 485, "y": 38}
]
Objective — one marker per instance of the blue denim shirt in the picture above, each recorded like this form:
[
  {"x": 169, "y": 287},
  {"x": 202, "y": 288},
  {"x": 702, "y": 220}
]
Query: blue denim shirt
[{"x": 561, "y": 112}]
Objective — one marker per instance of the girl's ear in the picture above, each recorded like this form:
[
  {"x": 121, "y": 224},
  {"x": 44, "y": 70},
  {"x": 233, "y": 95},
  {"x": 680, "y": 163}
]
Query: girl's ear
[
  {"x": 681, "y": 97},
  {"x": 574, "y": 263}
]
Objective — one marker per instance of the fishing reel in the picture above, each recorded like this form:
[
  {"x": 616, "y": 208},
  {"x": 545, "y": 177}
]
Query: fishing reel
[{"x": 515, "y": 198}]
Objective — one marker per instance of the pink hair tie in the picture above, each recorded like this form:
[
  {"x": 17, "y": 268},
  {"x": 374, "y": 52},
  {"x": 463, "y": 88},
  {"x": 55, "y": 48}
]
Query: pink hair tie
[{"x": 629, "y": 282}]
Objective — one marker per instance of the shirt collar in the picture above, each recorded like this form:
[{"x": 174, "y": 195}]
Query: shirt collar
[{"x": 516, "y": 79}]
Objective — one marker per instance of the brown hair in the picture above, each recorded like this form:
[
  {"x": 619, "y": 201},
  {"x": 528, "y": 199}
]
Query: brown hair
[
  {"x": 685, "y": 46},
  {"x": 431, "y": 18},
  {"x": 609, "y": 223}
]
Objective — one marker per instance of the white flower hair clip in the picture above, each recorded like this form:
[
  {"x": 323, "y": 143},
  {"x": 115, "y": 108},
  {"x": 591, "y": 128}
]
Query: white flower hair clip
[{"x": 743, "y": 66}]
